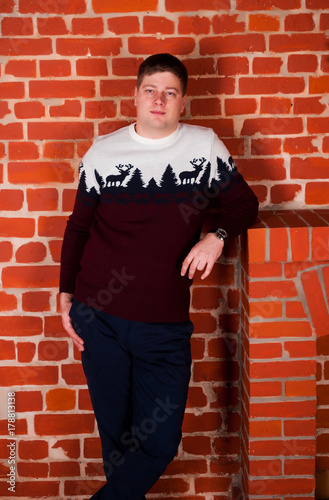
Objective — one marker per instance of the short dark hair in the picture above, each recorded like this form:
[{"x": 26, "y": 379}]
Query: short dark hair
[{"x": 160, "y": 63}]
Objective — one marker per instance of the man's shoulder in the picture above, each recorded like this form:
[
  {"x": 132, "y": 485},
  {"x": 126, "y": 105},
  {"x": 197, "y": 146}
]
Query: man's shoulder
[
  {"x": 114, "y": 136},
  {"x": 196, "y": 130}
]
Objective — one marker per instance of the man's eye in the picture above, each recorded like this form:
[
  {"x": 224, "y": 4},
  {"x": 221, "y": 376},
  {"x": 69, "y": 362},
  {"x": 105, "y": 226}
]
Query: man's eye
[{"x": 149, "y": 91}]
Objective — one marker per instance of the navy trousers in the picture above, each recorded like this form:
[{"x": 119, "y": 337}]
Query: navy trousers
[{"x": 138, "y": 376}]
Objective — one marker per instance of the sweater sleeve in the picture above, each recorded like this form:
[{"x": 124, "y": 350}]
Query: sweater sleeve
[
  {"x": 237, "y": 201},
  {"x": 78, "y": 226}
]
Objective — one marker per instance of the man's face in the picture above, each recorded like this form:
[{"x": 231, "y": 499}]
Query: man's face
[{"x": 159, "y": 102}]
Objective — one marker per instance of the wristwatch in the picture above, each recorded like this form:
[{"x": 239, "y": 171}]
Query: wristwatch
[{"x": 220, "y": 233}]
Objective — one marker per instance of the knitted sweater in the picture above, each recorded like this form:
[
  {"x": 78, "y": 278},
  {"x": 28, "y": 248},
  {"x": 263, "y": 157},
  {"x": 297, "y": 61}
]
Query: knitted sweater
[{"x": 139, "y": 209}]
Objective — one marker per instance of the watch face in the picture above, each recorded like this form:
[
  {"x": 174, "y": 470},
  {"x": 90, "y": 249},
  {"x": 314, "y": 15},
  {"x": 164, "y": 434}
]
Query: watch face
[{"x": 221, "y": 234}]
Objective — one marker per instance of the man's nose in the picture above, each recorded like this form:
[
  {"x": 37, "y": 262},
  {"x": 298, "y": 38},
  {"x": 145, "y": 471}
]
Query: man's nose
[{"x": 160, "y": 98}]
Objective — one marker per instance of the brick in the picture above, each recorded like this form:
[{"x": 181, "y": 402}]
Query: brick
[
  {"x": 275, "y": 105},
  {"x": 227, "y": 23},
  {"x": 319, "y": 243},
  {"x": 36, "y": 488},
  {"x": 73, "y": 374},
  {"x": 124, "y": 25},
  {"x": 316, "y": 4},
  {"x": 23, "y": 151},
  {"x": 222, "y": 348},
  {"x": 265, "y": 147},
  {"x": 196, "y": 398},
  {"x": 283, "y": 193},
  {"x": 205, "y": 422},
  {"x": 128, "y": 108},
  {"x": 272, "y": 126},
  {"x": 267, "y": 4},
  {"x": 297, "y": 42},
  {"x": 302, "y": 467},
  {"x": 64, "y": 469},
  {"x": 58, "y": 149},
  {"x": 318, "y": 125},
  {"x": 126, "y": 66},
  {"x": 318, "y": 308},
  {"x": 266, "y": 65},
  {"x": 50, "y": 425},
  {"x": 29, "y": 401},
  {"x": 40, "y": 172},
  {"x": 295, "y": 309},
  {"x": 197, "y": 445},
  {"x": 6, "y": 251},
  {"x": 52, "y": 350},
  {"x": 265, "y": 309},
  {"x": 286, "y": 448},
  {"x": 42, "y": 199},
  {"x": 206, "y": 297},
  {"x": 100, "y": 109},
  {"x": 216, "y": 484},
  {"x": 8, "y": 302},
  {"x": 282, "y": 329},
  {"x": 261, "y": 428},
  {"x": 11, "y": 199},
  {"x": 34, "y": 251},
  {"x": 25, "y": 352},
  {"x": 20, "y": 325},
  {"x": 148, "y": 44},
  {"x": 30, "y": 277},
  {"x": 37, "y": 375},
  {"x": 265, "y": 270},
  {"x": 193, "y": 24},
  {"x": 55, "y": 68},
  {"x": 305, "y": 388},
  {"x": 25, "y": 46},
  {"x": 53, "y": 327},
  {"x": 29, "y": 109},
  {"x": 200, "y": 66},
  {"x": 265, "y": 389},
  {"x": 61, "y": 7},
  {"x": 51, "y": 226},
  {"x": 263, "y": 22},
  {"x": 235, "y": 44},
  {"x": 84, "y": 402},
  {"x": 215, "y": 371},
  {"x": 83, "y": 46},
  {"x": 12, "y": 90},
  {"x": 17, "y": 26},
  {"x": 87, "y": 26},
  {"x": 60, "y": 399},
  {"x": 271, "y": 85},
  {"x": 69, "y": 108},
  {"x": 299, "y": 22},
  {"x": 319, "y": 84},
  {"x": 283, "y": 486},
  {"x": 7, "y": 6},
  {"x": 246, "y": 106},
  {"x": 60, "y": 131},
  {"x": 62, "y": 89},
  {"x": 91, "y": 67},
  {"x": 257, "y": 169},
  {"x": 4, "y": 109},
  {"x": 92, "y": 448},
  {"x": 269, "y": 350},
  {"x": 282, "y": 369},
  {"x": 50, "y": 26},
  {"x": 70, "y": 447},
  {"x": 211, "y": 86},
  {"x": 36, "y": 301},
  {"x": 300, "y": 246},
  {"x": 68, "y": 199},
  {"x": 179, "y": 467},
  {"x": 158, "y": 24},
  {"x": 21, "y": 68},
  {"x": 7, "y": 347},
  {"x": 26, "y": 469},
  {"x": 36, "y": 449},
  {"x": 299, "y": 145},
  {"x": 192, "y": 5},
  {"x": 16, "y": 227},
  {"x": 312, "y": 167},
  {"x": 11, "y": 132},
  {"x": 233, "y": 65},
  {"x": 302, "y": 63},
  {"x": 205, "y": 107}
]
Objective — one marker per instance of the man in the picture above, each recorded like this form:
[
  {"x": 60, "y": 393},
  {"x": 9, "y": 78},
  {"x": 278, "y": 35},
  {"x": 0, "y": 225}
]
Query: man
[{"x": 130, "y": 252}]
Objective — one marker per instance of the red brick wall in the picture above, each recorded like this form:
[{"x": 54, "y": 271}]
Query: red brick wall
[{"x": 259, "y": 76}]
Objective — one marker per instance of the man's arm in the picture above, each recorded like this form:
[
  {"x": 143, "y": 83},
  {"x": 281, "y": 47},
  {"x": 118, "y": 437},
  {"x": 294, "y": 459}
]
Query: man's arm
[{"x": 239, "y": 210}]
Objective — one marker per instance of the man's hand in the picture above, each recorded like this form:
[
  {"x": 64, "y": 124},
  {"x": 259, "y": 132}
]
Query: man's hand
[
  {"x": 65, "y": 301},
  {"x": 203, "y": 256}
]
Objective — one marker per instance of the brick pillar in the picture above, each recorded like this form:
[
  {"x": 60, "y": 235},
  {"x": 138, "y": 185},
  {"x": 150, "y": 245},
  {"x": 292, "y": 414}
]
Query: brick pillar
[{"x": 284, "y": 310}]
